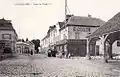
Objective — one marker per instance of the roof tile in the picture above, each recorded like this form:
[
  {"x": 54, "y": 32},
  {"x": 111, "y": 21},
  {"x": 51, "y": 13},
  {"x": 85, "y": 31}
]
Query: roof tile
[
  {"x": 110, "y": 26},
  {"x": 89, "y": 21}
]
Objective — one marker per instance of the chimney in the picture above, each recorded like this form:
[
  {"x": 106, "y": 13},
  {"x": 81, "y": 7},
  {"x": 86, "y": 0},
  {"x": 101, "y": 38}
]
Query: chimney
[{"x": 68, "y": 16}]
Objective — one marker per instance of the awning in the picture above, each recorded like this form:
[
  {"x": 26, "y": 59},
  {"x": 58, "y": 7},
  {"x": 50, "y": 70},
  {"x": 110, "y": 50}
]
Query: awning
[
  {"x": 71, "y": 41},
  {"x": 61, "y": 42}
]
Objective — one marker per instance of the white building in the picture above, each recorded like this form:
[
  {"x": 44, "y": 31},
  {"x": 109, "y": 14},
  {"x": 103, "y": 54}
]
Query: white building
[
  {"x": 45, "y": 42},
  {"x": 25, "y": 47},
  {"x": 70, "y": 35},
  {"x": 49, "y": 41},
  {"x": 73, "y": 34}
]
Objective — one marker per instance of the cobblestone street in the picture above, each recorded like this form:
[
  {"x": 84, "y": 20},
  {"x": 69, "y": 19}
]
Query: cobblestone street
[{"x": 42, "y": 66}]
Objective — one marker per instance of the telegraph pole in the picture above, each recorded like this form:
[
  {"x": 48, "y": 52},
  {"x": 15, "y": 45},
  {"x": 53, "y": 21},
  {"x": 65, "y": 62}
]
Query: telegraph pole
[{"x": 65, "y": 8}]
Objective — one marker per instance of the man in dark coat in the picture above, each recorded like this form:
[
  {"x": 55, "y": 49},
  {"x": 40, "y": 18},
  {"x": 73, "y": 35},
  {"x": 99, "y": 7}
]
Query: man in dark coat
[
  {"x": 49, "y": 53},
  {"x": 31, "y": 52}
]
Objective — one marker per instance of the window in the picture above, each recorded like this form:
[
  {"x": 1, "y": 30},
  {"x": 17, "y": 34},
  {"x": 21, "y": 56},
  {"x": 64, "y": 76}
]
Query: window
[
  {"x": 118, "y": 43},
  {"x": 2, "y": 45},
  {"x": 65, "y": 47},
  {"x": 64, "y": 36},
  {"x": 89, "y": 29},
  {"x": 77, "y": 35},
  {"x": 6, "y": 36}
]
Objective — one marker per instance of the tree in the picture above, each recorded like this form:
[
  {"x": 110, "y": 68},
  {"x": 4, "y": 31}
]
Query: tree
[
  {"x": 27, "y": 39},
  {"x": 36, "y": 43}
]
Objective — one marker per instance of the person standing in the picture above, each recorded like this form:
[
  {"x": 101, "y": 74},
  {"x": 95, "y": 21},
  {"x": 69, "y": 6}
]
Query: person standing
[
  {"x": 49, "y": 53},
  {"x": 31, "y": 52}
]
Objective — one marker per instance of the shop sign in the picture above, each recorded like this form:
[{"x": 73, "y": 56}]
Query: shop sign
[{"x": 81, "y": 29}]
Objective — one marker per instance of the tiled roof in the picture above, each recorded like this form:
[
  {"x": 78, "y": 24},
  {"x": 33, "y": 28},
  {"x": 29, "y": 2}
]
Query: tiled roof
[
  {"x": 85, "y": 21},
  {"x": 82, "y": 21},
  {"x": 110, "y": 26},
  {"x": 5, "y": 25},
  {"x": 4, "y": 21}
]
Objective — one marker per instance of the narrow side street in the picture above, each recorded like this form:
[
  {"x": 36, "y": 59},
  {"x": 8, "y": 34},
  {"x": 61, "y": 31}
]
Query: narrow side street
[{"x": 42, "y": 66}]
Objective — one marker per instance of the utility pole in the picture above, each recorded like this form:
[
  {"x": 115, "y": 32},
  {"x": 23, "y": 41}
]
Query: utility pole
[{"x": 65, "y": 8}]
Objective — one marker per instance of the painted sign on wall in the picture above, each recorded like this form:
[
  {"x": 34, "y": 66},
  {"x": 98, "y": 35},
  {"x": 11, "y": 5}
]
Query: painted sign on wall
[{"x": 81, "y": 29}]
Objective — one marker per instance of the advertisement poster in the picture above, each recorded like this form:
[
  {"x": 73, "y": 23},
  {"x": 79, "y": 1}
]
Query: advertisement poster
[{"x": 59, "y": 38}]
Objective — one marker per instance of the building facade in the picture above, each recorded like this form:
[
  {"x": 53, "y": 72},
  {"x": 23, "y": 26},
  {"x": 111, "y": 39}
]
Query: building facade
[
  {"x": 25, "y": 47},
  {"x": 106, "y": 39},
  {"x": 69, "y": 36},
  {"x": 8, "y": 37},
  {"x": 73, "y": 34},
  {"x": 44, "y": 44}
]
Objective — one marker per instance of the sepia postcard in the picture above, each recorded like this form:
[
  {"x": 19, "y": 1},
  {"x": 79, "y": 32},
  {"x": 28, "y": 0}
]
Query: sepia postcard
[{"x": 59, "y": 38}]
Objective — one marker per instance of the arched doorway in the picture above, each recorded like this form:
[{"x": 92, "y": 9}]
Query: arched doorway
[
  {"x": 93, "y": 46},
  {"x": 108, "y": 33},
  {"x": 111, "y": 44},
  {"x": 108, "y": 42}
]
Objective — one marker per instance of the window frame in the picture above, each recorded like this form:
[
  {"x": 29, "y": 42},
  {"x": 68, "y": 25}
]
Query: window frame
[{"x": 8, "y": 36}]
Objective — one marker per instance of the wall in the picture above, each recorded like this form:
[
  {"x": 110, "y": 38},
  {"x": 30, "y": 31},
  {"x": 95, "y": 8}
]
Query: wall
[
  {"x": 99, "y": 42},
  {"x": 45, "y": 44},
  {"x": 115, "y": 48},
  {"x": 77, "y": 49},
  {"x": 51, "y": 40},
  {"x": 12, "y": 40},
  {"x": 64, "y": 34},
  {"x": 8, "y": 32},
  {"x": 72, "y": 30}
]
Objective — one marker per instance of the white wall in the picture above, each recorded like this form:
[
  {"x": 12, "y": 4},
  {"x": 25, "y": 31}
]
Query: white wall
[
  {"x": 115, "y": 48},
  {"x": 64, "y": 33},
  {"x": 99, "y": 42},
  {"x": 45, "y": 42},
  {"x": 71, "y": 32}
]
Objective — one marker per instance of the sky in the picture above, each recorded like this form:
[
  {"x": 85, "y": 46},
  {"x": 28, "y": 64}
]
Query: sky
[{"x": 32, "y": 21}]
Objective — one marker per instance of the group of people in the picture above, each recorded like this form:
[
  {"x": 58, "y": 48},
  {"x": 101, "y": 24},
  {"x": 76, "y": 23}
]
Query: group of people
[{"x": 52, "y": 53}]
